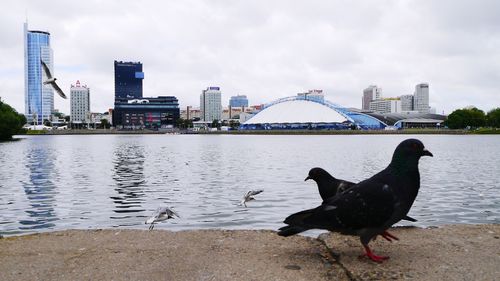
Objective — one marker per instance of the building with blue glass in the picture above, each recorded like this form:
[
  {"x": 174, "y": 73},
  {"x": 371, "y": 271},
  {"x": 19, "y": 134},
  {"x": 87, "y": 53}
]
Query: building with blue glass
[
  {"x": 151, "y": 113},
  {"x": 38, "y": 98},
  {"x": 128, "y": 80},
  {"x": 238, "y": 101}
]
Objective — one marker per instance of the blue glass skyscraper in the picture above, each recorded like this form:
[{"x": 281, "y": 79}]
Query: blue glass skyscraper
[
  {"x": 128, "y": 80},
  {"x": 38, "y": 98}
]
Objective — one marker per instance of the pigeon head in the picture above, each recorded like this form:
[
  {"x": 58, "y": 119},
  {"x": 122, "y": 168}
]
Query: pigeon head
[
  {"x": 409, "y": 152},
  {"x": 317, "y": 174}
]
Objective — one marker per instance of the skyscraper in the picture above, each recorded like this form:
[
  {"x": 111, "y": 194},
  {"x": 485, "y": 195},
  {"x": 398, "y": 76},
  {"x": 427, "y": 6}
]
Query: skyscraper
[
  {"x": 128, "y": 80},
  {"x": 210, "y": 104},
  {"x": 421, "y": 98},
  {"x": 80, "y": 103},
  {"x": 38, "y": 98},
  {"x": 369, "y": 94},
  {"x": 238, "y": 101}
]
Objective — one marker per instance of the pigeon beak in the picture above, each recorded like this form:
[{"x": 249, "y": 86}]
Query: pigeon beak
[
  {"x": 308, "y": 178},
  {"x": 427, "y": 153}
]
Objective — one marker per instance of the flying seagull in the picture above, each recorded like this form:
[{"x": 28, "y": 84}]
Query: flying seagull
[
  {"x": 370, "y": 207},
  {"x": 52, "y": 80},
  {"x": 161, "y": 214},
  {"x": 329, "y": 186},
  {"x": 248, "y": 196}
]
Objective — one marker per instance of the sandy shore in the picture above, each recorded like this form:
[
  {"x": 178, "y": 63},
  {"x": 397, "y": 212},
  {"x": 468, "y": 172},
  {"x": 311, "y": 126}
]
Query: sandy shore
[{"x": 461, "y": 252}]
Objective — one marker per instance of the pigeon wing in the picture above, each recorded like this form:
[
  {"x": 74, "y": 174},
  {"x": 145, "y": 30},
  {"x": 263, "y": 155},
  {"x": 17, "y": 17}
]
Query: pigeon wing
[
  {"x": 58, "y": 90},
  {"x": 367, "y": 204},
  {"x": 46, "y": 69}
]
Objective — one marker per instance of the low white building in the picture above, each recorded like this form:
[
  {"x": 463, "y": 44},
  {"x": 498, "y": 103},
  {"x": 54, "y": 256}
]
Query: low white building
[{"x": 390, "y": 105}]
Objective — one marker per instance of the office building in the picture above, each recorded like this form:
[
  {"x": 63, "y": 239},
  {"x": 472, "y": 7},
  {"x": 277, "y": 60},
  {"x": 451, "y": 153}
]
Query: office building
[
  {"x": 238, "y": 101},
  {"x": 128, "y": 80},
  {"x": 369, "y": 94},
  {"x": 151, "y": 113},
  {"x": 210, "y": 104},
  {"x": 421, "y": 98},
  {"x": 38, "y": 98},
  {"x": 388, "y": 105},
  {"x": 406, "y": 102},
  {"x": 80, "y": 103}
]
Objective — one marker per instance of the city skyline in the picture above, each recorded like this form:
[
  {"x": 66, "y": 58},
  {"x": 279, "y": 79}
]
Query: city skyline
[{"x": 266, "y": 51}]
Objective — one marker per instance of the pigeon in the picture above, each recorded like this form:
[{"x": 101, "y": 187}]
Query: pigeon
[
  {"x": 52, "y": 81},
  {"x": 329, "y": 186},
  {"x": 370, "y": 207},
  {"x": 248, "y": 196},
  {"x": 161, "y": 214}
]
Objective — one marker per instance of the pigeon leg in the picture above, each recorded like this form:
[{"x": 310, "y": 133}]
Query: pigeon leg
[
  {"x": 151, "y": 226},
  {"x": 388, "y": 236},
  {"x": 372, "y": 256}
]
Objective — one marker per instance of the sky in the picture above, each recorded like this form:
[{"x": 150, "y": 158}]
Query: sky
[{"x": 264, "y": 49}]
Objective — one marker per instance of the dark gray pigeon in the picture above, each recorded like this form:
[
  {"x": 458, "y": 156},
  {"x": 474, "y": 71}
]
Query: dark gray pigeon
[
  {"x": 370, "y": 207},
  {"x": 329, "y": 186}
]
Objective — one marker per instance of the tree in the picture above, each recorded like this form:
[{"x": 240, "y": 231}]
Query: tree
[
  {"x": 105, "y": 124},
  {"x": 47, "y": 123},
  {"x": 493, "y": 118},
  {"x": 11, "y": 122},
  {"x": 234, "y": 124},
  {"x": 463, "y": 118},
  {"x": 215, "y": 124}
]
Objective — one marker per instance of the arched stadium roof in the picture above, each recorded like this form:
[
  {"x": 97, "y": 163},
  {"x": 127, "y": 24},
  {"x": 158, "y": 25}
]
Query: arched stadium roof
[
  {"x": 297, "y": 111},
  {"x": 304, "y": 110}
]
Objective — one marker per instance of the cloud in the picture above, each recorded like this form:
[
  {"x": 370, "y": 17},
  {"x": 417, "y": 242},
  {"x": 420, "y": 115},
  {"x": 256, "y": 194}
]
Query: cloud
[{"x": 264, "y": 49}]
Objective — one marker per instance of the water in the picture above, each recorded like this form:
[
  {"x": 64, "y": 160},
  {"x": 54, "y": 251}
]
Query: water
[{"x": 116, "y": 181}]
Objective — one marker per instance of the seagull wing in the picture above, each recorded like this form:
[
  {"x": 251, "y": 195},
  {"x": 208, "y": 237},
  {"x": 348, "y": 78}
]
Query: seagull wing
[
  {"x": 58, "y": 90},
  {"x": 46, "y": 69},
  {"x": 255, "y": 192}
]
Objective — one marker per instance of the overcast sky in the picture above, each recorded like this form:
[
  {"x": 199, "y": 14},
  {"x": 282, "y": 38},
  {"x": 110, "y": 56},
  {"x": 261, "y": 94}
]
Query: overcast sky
[{"x": 264, "y": 49}]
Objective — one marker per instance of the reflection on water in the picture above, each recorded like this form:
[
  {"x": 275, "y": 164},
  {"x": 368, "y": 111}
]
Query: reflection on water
[
  {"x": 40, "y": 189},
  {"x": 129, "y": 177},
  {"x": 103, "y": 181}
]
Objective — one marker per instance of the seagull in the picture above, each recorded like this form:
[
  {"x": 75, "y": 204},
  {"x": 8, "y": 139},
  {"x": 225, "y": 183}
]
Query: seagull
[
  {"x": 161, "y": 214},
  {"x": 248, "y": 196},
  {"x": 52, "y": 80}
]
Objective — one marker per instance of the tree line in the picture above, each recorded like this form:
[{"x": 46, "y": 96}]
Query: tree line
[
  {"x": 473, "y": 118},
  {"x": 11, "y": 122}
]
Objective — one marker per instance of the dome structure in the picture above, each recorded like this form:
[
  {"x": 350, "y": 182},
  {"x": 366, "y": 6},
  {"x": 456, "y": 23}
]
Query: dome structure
[
  {"x": 301, "y": 112},
  {"x": 297, "y": 112}
]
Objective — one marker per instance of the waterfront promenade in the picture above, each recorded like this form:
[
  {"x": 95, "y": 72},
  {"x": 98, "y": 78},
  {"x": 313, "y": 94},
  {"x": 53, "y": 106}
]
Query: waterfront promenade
[{"x": 460, "y": 252}]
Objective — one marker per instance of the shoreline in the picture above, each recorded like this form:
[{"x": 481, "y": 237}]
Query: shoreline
[
  {"x": 267, "y": 132},
  {"x": 452, "y": 252}
]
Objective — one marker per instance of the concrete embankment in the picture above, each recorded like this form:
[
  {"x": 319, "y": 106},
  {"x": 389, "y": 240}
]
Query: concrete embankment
[{"x": 461, "y": 252}]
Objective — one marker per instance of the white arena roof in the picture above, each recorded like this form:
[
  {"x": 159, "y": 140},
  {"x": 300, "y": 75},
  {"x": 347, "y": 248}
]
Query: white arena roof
[{"x": 296, "y": 111}]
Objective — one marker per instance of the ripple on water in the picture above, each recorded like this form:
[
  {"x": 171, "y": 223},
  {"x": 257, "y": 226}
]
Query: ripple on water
[{"x": 61, "y": 182}]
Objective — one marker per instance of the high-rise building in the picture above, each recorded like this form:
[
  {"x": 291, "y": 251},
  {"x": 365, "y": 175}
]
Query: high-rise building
[
  {"x": 128, "y": 80},
  {"x": 80, "y": 103},
  {"x": 38, "y": 98},
  {"x": 369, "y": 94},
  {"x": 238, "y": 101},
  {"x": 210, "y": 104},
  {"x": 421, "y": 98},
  {"x": 406, "y": 102}
]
